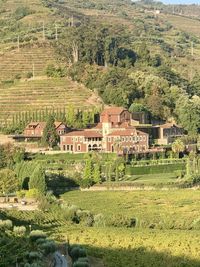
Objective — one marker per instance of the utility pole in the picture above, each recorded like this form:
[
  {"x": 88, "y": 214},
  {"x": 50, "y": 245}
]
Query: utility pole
[
  {"x": 72, "y": 21},
  {"x": 33, "y": 70},
  {"x": 43, "y": 31},
  {"x": 192, "y": 48},
  {"x": 56, "y": 32},
  {"x": 18, "y": 45}
]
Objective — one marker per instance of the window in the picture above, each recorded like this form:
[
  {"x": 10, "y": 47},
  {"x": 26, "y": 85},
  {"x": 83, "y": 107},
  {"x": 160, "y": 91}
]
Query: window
[
  {"x": 144, "y": 138},
  {"x": 127, "y": 139},
  {"x": 123, "y": 139},
  {"x": 79, "y": 147},
  {"x": 71, "y": 147},
  {"x": 72, "y": 139},
  {"x": 67, "y": 147},
  {"x": 81, "y": 139},
  {"x": 76, "y": 139},
  {"x": 109, "y": 139}
]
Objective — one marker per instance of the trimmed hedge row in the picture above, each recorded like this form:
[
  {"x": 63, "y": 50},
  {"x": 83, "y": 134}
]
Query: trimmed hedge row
[{"x": 167, "y": 168}]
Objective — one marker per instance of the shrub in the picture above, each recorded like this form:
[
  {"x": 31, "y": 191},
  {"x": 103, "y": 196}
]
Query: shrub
[
  {"x": 21, "y": 193},
  {"x": 22, "y": 12},
  {"x": 48, "y": 247},
  {"x": 6, "y": 224},
  {"x": 29, "y": 75},
  {"x": 36, "y": 234},
  {"x": 74, "y": 253},
  {"x": 33, "y": 193},
  {"x": 19, "y": 230}
]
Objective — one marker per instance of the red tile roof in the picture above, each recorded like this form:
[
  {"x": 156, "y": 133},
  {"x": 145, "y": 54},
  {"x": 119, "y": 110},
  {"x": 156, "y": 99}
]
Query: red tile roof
[
  {"x": 169, "y": 125},
  {"x": 113, "y": 111},
  {"x": 85, "y": 133},
  {"x": 127, "y": 132}
]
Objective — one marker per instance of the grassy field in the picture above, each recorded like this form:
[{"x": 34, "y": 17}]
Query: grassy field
[
  {"x": 176, "y": 209},
  {"x": 152, "y": 179}
]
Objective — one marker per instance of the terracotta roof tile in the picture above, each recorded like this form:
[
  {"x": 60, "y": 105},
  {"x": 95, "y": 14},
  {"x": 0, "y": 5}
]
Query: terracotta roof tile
[
  {"x": 113, "y": 111},
  {"x": 85, "y": 133}
]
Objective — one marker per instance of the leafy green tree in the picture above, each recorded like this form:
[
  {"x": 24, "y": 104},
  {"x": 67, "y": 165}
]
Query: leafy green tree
[
  {"x": 137, "y": 107},
  {"x": 38, "y": 180},
  {"x": 8, "y": 181},
  {"x": 50, "y": 135},
  {"x": 188, "y": 112}
]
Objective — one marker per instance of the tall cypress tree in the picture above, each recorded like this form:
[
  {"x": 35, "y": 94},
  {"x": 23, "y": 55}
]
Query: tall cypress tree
[
  {"x": 50, "y": 135},
  {"x": 37, "y": 180}
]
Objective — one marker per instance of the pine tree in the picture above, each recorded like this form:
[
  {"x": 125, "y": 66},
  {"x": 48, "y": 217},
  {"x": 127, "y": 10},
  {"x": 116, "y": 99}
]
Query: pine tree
[{"x": 37, "y": 180}]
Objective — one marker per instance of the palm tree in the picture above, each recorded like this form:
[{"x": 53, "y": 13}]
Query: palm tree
[{"x": 178, "y": 146}]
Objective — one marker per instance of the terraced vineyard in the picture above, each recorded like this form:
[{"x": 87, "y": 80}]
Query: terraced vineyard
[
  {"x": 41, "y": 94},
  {"x": 28, "y": 59}
]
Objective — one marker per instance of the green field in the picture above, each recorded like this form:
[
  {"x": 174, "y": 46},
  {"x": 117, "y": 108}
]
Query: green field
[
  {"x": 166, "y": 233},
  {"x": 152, "y": 179},
  {"x": 176, "y": 209},
  {"x": 175, "y": 214}
]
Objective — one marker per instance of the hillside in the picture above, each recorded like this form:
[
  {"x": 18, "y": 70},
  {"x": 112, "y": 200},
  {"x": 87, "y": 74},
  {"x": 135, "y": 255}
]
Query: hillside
[
  {"x": 132, "y": 47},
  {"x": 41, "y": 94}
]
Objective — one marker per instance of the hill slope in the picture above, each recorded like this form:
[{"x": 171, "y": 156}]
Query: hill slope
[{"x": 128, "y": 35}]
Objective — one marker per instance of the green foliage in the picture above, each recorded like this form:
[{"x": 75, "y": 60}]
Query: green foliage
[
  {"x": 19, "y": 230},
  {"x": 154, "y": 169},
  {"x": 37, "y": 180},
  {"x": 55, "y": 72},
  {"x": 5, "y": 225},
  {"x": 37, "y": 234},
  {"x": 50, "y": 135},
  {"x": 8, "y": 181},
  {"x": 188, "y": 111},
  {"x": 22, "y": 12},
  {"x": 97, "y": 174}
]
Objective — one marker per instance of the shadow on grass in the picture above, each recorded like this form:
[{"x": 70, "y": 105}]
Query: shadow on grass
[
  {"x": 59, "y": 183},
  {"x": 139, "y": 257}
]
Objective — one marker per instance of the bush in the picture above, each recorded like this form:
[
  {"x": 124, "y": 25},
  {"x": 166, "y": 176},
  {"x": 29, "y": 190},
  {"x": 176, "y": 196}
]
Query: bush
[
  {"x": 6, "y": 224},
  {"x": 29, "y": 75},
  {"x": 19, "y": 230},
  {"x": 22, "y": 12},
  {"x": 33, "y": 193},
  {"x": 74, "y": 253},
  {"x": 36, "y": 234},
  {"x": 48, "y": 247}
]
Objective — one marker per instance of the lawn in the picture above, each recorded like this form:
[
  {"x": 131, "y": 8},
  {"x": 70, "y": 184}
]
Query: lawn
[{"x": 151, "y": 179}]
